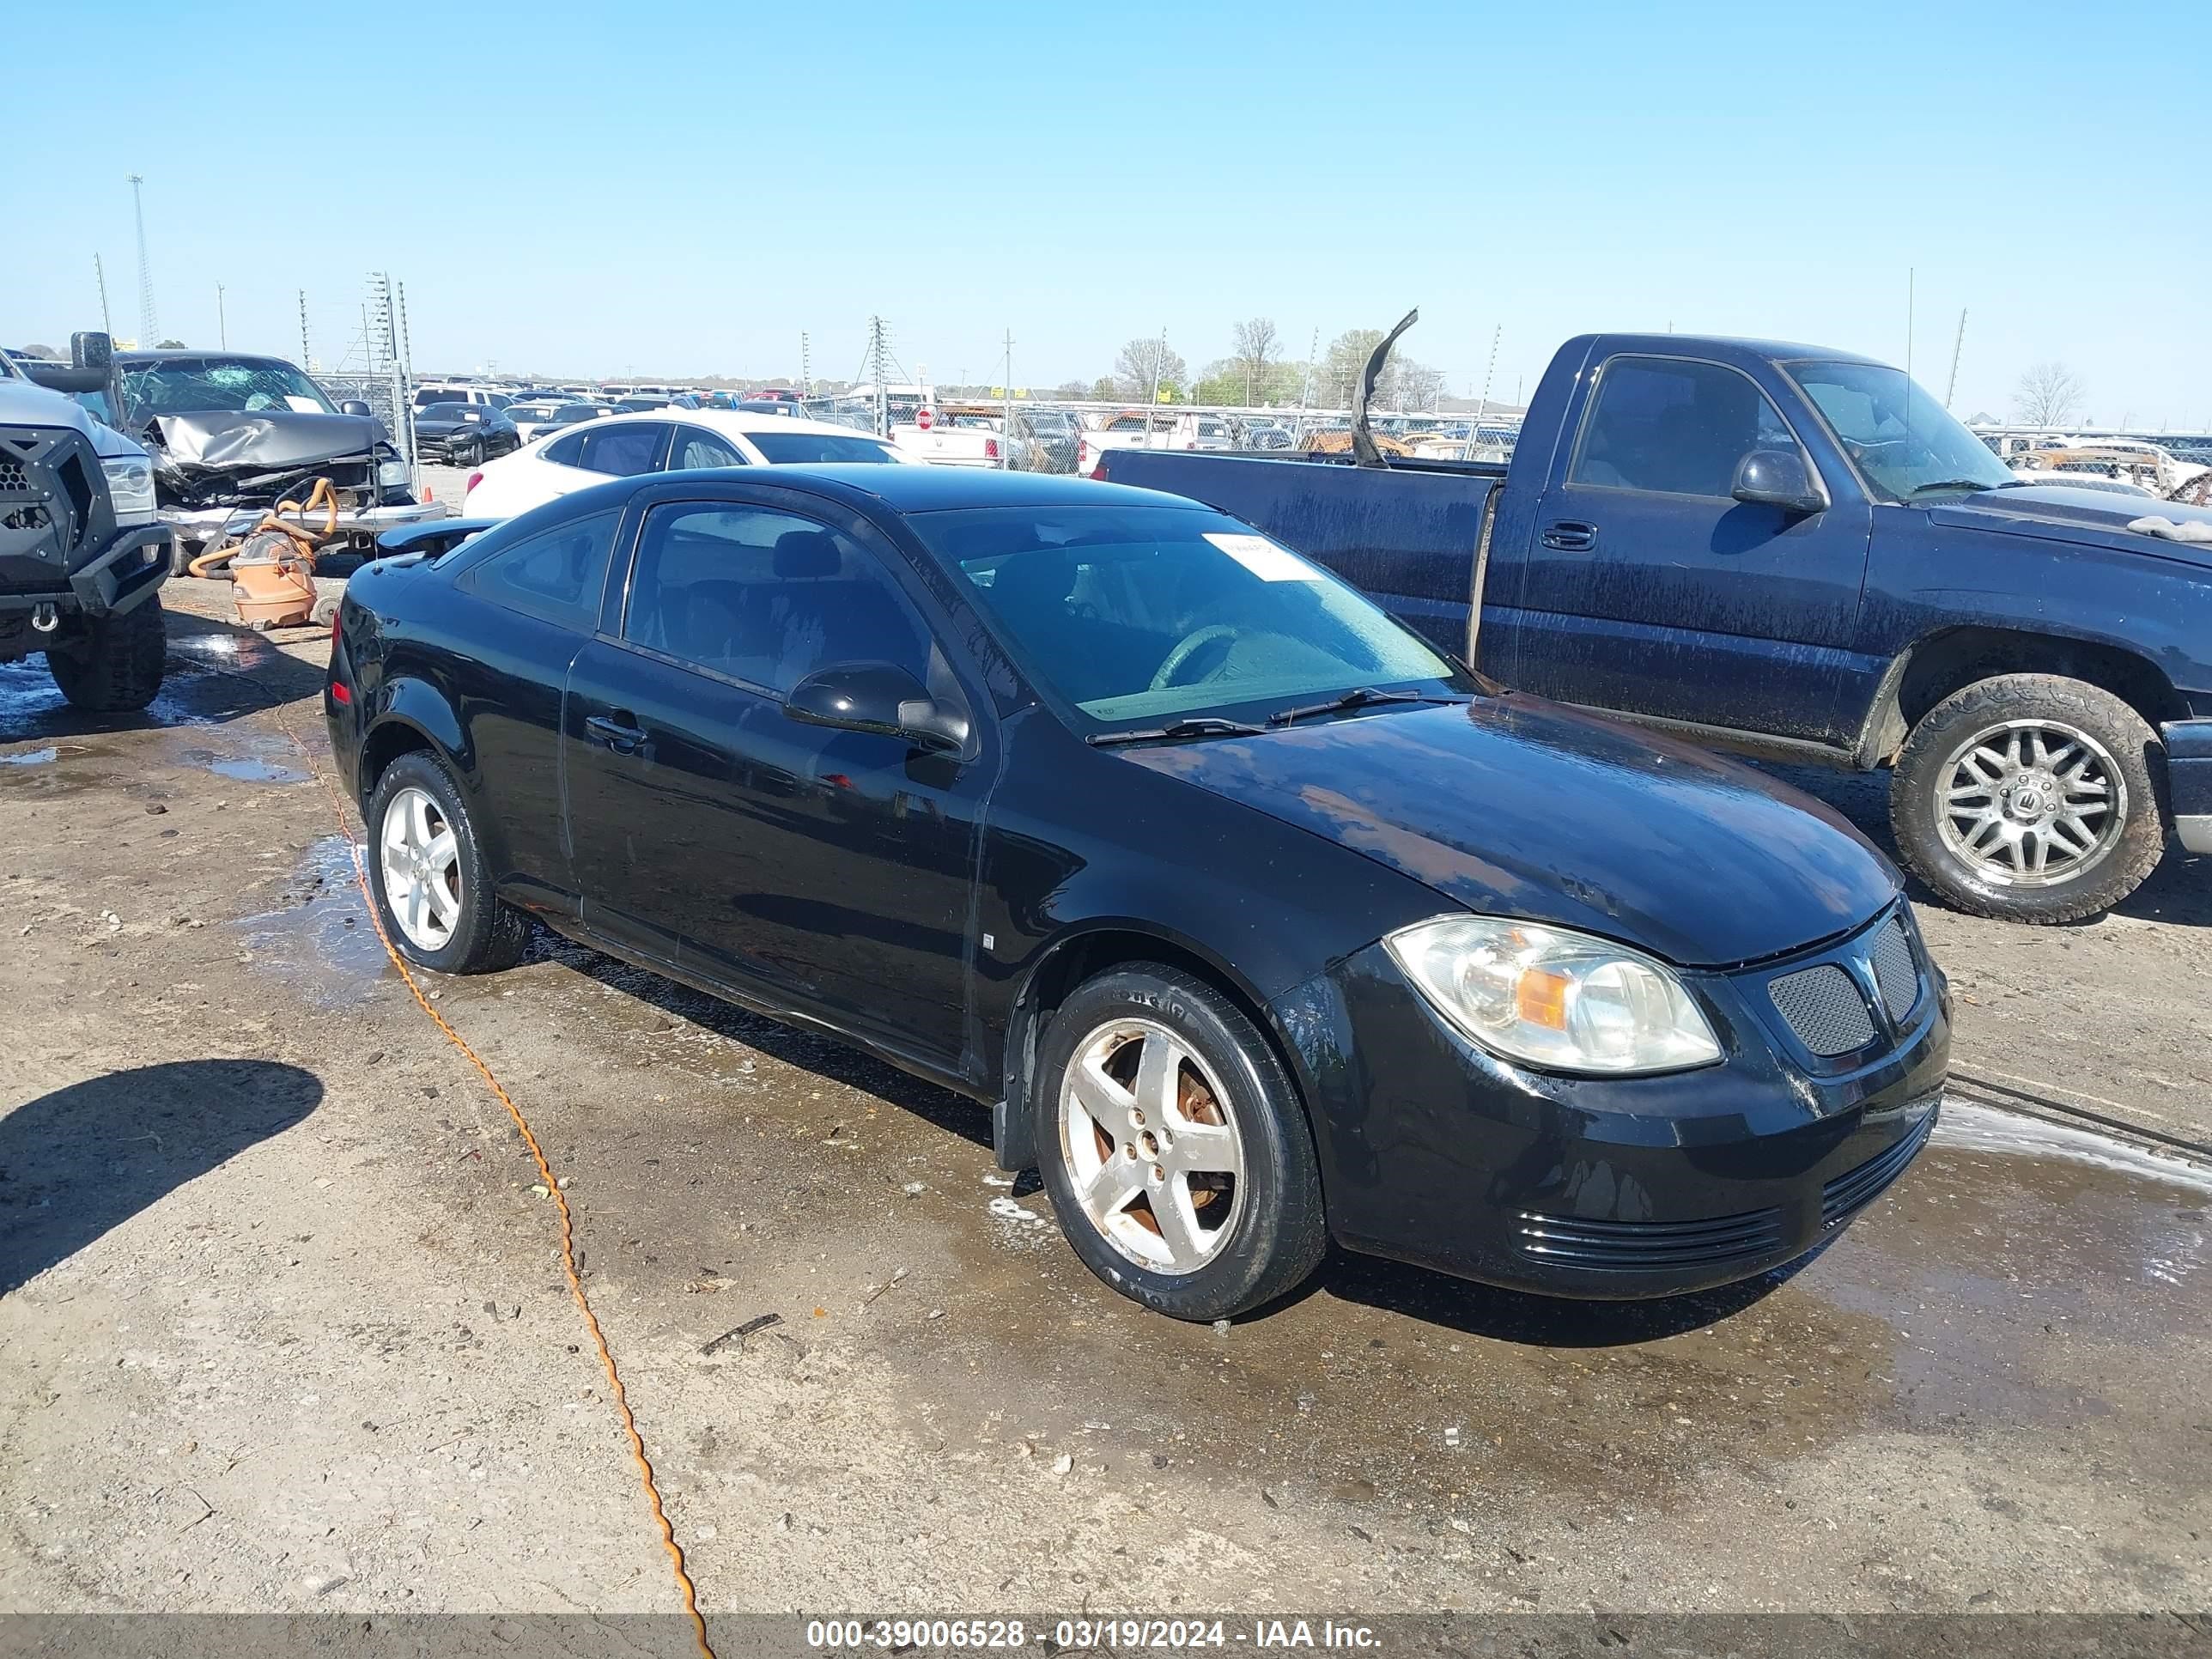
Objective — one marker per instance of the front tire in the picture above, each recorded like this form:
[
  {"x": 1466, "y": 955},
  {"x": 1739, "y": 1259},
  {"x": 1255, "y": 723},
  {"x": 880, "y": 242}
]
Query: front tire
[
  {"x": 426, "y": 872},
  {"x": 1174, "y": 1147},
  {"x": 115, "y": 664},
  {"x": 2029, "y": 798}
]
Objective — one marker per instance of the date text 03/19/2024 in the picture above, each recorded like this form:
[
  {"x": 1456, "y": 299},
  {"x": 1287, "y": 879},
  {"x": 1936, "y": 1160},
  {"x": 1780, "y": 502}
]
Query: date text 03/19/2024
[{"x": 932, "y": 1635}]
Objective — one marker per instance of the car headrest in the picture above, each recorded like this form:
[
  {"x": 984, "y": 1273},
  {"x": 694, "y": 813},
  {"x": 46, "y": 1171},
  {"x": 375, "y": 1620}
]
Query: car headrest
[{"x": 807, "y": 553}]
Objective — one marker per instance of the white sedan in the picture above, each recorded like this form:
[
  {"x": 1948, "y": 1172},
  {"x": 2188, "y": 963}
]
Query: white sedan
[{"x": 660, "y": 441}]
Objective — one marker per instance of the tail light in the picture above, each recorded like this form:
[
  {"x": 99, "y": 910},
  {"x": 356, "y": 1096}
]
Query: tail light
[
  {"x": 337, "y": 622},
  {"x": 475, "y": 478},
  {"x": 990, "y": 449}
]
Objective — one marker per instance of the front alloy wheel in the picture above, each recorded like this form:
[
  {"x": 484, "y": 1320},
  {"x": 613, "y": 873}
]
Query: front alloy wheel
[
  {"x": 2029, "y": 797},
  {"x": 1156, "y": 1157}
]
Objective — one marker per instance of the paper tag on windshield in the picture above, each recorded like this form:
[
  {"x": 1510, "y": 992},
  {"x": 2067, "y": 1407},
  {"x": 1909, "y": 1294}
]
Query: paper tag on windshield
[{"x": 1264, "y": 559}]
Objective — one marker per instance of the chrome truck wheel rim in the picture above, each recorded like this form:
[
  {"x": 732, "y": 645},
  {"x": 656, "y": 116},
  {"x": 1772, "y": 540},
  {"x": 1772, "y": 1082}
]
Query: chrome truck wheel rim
[
  {"x": 2031, "y": 803},
  {"x": 422, "y": 862},
  {"x": 1151, "y": 1146}
]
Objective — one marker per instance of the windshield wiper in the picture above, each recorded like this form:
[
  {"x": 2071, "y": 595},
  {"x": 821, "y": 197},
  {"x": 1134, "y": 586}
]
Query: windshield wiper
[
  {"x": 1359, "y": 698},
  {"x": 1965, "y": 484},
  {"x": 1200, "y": 725}
]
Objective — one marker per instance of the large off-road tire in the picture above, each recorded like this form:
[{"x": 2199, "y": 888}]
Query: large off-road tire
[
  {"x": 1174, "y": 1147},
  {"x": 2030, "y": 798},
  {"x": 112, "y": 664},
  {"x": 427, "y": 875}
]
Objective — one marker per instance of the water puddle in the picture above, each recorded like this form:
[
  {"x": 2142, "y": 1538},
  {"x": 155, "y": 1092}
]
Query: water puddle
[
  {"x": 32, "y": 705},
  {"x": 255, "y": 767},
  {"x": 319, "y": 943},
  {"x": 32, "y": 756}
]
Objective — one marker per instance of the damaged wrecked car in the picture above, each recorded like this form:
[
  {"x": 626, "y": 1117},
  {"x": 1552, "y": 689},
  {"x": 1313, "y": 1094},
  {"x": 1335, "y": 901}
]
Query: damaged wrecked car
[{"x": 233, "y": 434}]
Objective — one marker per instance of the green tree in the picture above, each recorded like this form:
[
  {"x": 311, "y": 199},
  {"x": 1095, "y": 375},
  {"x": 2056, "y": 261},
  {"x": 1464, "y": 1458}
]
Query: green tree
[{"x": 170, "y": 345}]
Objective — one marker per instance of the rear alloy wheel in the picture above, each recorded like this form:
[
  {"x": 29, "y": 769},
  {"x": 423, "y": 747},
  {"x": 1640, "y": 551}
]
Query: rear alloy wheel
[
  {"x": 2029, "y": 797},
  {"x": 1174, "y": 1146},
  {"x": 427, "y": 872}
]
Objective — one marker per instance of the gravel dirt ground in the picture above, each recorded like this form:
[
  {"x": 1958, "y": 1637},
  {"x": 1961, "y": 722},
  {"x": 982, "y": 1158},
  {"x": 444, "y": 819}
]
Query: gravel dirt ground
[{"x": 284, "y": 1328}]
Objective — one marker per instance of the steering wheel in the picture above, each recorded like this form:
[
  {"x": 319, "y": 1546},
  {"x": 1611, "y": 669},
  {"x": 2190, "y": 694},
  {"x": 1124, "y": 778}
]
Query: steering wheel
[{"x": 1186, "y": 648}]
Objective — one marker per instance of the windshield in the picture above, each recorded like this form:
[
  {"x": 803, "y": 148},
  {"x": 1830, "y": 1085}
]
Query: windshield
[
  {"x": 1146, "y": 612},
  {"x": 191, "y": 386},
  {"x": 790, "y": 449},
  {"x": 1905, "y": 443}
]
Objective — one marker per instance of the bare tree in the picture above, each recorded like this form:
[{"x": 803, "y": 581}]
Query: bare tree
[
  {"x": 2047, "y": 395},
  {"x": 1144, "y": 364},
  {"x": 1255, "y": 349}
]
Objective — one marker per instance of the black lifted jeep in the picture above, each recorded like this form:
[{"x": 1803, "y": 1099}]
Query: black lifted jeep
[{"x": 81, "y": 555}]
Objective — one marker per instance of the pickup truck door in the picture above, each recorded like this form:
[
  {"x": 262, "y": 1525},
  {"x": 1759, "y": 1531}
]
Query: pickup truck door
[{"x": 1648, "y": 589}]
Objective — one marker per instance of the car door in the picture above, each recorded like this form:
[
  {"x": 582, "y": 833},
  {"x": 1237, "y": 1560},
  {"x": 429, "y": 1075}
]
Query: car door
[
  {"x": 1649, "y": 589},
  {"x": 822, "y": 872},
  {"x": 506, "y": 683}
]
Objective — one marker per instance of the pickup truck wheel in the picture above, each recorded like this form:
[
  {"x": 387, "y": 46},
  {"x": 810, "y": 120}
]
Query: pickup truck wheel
[
  {"x": 2029, "y": 798},
  {"x": 114, "y": 665},
  {"x": 433, "y": 889},
  {"x": 1174, "y": 1147}
]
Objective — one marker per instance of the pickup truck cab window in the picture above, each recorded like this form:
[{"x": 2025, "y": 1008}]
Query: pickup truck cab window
[
  {"x": 1904, "y": 444},
  {"x": 765, "y": 597},
  {"x": 1673, "y": 425}
]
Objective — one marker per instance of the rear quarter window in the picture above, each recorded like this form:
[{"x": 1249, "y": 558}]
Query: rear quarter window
[{"x": 557, "y": 575}]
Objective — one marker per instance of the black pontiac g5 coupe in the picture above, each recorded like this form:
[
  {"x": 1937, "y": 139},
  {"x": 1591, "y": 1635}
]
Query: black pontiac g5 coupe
[{"x": 1253, "y": 920}]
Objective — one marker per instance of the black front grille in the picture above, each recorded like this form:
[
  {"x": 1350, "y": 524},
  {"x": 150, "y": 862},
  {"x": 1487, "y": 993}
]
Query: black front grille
[
  {"x": 1632, "y": 1246},
  {"x": 1824, "y": 1006},
  {"x": 1847, "y": 1195},
  {"x": 1896, "y": 970}
]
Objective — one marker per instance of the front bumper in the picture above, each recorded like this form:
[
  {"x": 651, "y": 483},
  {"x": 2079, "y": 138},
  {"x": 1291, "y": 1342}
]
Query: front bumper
[
  {"x": 208, "y": 526},
  {"x": 1435, "y": 1151},
  {"x": 129, "y": 571},
  {"x": 2188, "y": 781}
]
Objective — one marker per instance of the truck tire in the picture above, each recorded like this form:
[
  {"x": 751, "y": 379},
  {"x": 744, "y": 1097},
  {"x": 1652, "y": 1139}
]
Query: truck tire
[
  {"x": 2029, "y": 798},
  {"x": 114, "y": 665},
  {"x": 1174, "y": 1146}
]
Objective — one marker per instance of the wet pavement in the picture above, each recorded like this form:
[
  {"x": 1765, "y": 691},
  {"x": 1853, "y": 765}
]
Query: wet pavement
[{"x": 346, "y": 1332}]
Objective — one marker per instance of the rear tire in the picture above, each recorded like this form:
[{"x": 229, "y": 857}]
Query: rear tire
[
  {"x": 2070, "y": 822},
  {"x": 115, "y": 664},
  {"x": 438, "y": 910},
  {"x": 1220, "y": 1124}
]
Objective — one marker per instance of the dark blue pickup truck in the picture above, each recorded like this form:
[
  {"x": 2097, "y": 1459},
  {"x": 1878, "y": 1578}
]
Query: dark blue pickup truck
[{"x": 1797, "y": 553}]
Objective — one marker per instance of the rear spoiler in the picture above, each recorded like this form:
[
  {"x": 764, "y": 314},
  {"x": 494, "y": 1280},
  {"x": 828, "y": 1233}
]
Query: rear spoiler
[{"x": 433, "y": 536}]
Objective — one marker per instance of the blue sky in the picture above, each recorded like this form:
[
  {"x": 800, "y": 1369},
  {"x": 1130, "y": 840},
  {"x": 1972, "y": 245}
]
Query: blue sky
[{"x": 679, "y": 188}]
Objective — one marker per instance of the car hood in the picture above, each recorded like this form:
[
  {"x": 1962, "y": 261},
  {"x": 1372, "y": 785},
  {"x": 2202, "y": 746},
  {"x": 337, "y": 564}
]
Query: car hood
[
  {"x": 264, "y": 441},
  {"x": 2098, "y": 517},
  {"x": 1514, "y": 806}
]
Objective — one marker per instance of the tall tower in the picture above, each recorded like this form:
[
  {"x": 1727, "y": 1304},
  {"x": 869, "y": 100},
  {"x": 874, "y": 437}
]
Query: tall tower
[{"x": 149, "y": 330}]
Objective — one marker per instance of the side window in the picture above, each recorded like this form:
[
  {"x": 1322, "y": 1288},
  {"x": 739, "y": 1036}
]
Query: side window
[
  {"x": 624, "y": 450},
  {"x": 766, "y": 596},
  {"x": 697, "y": 448},
  {"x": 1674, "y": 426},
  {"x": 566, "y": 451},
  {"x": 556, "y": 576}
]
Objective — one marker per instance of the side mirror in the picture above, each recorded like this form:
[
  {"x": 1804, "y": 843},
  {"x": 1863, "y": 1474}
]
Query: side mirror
[
  {"x": 1778, "y": 477},
  {"x": 355, "y": 406},
  {"x": 92, "y": 350},
  {"x": 875, "y": 696}
]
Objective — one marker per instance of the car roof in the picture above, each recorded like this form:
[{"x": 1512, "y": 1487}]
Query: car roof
[
  {"x": 735, "y": 420},
  {"x": 939, "y": 488},
  {"x": 191, "y": 354}
]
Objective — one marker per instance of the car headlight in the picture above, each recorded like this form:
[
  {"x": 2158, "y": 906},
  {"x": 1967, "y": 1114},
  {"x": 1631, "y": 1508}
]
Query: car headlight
[
  {"x": 131, "y": 487},
  {"x": 1562, "y": 1000},
  {"x": 394, "y": 472}
]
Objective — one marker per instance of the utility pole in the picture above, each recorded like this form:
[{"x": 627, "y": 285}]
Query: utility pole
[
  {"x": 1958, "y": 345},
  {"x": 879, "y": 349},
  {"x": 1910, "y": 275},
  {"x": 806, "y": 367},
  {"x": 1157, "y": 357},
  {"x": 1305, "y": 388},
  {"x": 1007, "y": 448},
  {"x": 221, "y": 323},
  {"x": 306, "y": 357},
  {"x": 100, "y": 276},
  {"x": 149, "y": 330}
]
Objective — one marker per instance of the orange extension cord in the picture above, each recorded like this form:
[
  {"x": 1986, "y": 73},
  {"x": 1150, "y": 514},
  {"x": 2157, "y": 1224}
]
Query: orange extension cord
[{"x": 545, "y": 1172}]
